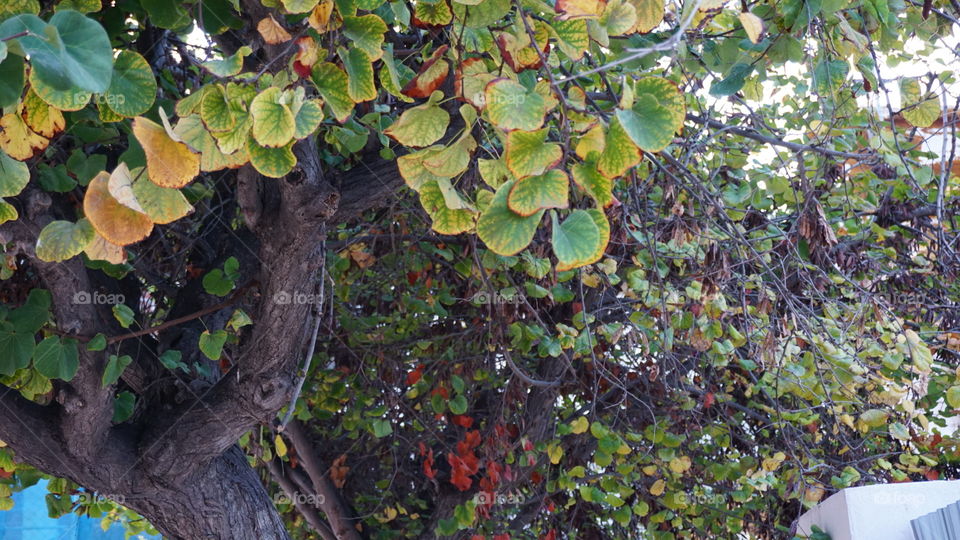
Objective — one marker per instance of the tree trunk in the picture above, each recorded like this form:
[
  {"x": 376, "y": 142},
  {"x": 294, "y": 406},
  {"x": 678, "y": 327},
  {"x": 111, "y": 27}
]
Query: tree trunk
[{"x": 225, "y": 500}]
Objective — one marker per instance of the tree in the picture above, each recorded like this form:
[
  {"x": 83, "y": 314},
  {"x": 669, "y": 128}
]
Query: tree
[{"x": 474, "y": 268}]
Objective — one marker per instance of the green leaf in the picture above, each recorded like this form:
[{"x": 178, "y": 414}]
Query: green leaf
[
  {"x": 307, "y": 115},
  {"x": 70, "y": 49},
  {"x": 501, "y": 229},
  {"x": 511, "y": 106},
  {"x": 422, "y": 125},
  {"x": 167, "y": 14},
  {"x": 366, "y": 33},
  {"x": 272, "y": 162},
  {"x": 17, "y": 347},
  {"x": 574, "y": 240},
  {"x": 216, "y": 283},
  {"x": 597, "y": 186},
  {"x": 381, "y": 428},
  {"x": 171, "y": 359},
  {"x": 60, "y": 240},
  {"x": 486, "y": 13},
  {"x": 229, "y": 66},
  {"x": 56, "y": 359},
  {"x": 212, "y": 156},
  {"x": 829, "y": 76},
  {"x": 458, "y": 405},
  {"x": 733, "y": 82},
  {"x": 133, "y": 86},
  {"x": 216, "y": 113},
  {"x": 360, "y": 85},
  {"x": 445, "y": 219},
  {"x": 98, "y": 343},
  {"x": 648, "y": 124},
  {"x": 572, "y": 36},
  {"x": 8, "y": 212},
  {"x": 11, "y": 80},
  {"x": 115, "y": 367},
  {"x": 299, "y": 6},
  {"x": 953, "y": 397},
  {"x": 34, "y": 313},
  {"x": 433, "y": 12},
  {"x": 412, "y": 168},
  {"x": 211, "y": 345},
  {"x": 533, "y": 193},
  {"x": 527, "y": 152},
  {"x": 273, "y": 121},
  {"x": 619, "y": 151},
  {"x": 123, "y": 314},
  {"x": 14, "y": 175},
  {"x": 123, "y": 406},
  {"x": 162, "y": 205},
  {"x": 331, "y": 83}
]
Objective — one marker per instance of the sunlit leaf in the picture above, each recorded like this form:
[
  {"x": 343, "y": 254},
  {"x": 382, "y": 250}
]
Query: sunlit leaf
[
  {"x": 528, "y": 153},
  {"x": 422, "y": 125},
  {"x": 272, "y": 32},
  {"x": 61, "y": 240},
  {"x": 273, "y": 121},
  {"x": 229, "y": 66},
  {"x": 512, "y": 106},
  {"x": 18, "y": 140},
  {"x": 133, "y": 85},
  {"x": 331, "y": 82},
  {"x": 360, "y": 83},
  {"x": 169, "y": 163},
  {"x": 272, "y": 162},
  {"x": 115, "y": 222}
]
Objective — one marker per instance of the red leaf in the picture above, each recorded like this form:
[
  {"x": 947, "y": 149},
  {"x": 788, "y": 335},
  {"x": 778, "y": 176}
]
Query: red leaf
[
  {"x": 708, "y": 400},
  {"x": 459, "y": 476},
  {"x": 462, "y": 420},
  {"x": 302, "y": 70},
  {"x": 414, "y": 376}
]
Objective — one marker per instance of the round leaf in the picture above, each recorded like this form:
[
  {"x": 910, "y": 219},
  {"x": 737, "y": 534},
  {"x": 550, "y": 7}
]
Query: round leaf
[
  {"x": 503, "y": 230},
  {"x": 133, "y": 86}
]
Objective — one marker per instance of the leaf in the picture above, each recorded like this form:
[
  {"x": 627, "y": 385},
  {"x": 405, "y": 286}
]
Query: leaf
[
  {"x": 432, "y": 74},
  {"x": 18, "y": 140},
  {"x": 422, "y": 125},
  {"x": 167, "y": 14},
  {"x": 501, "y": 229},
  {"x": 123, "y": 314},
  {"x": 215, "y": 111},
  {"x": 71, "y": 51},
  {"x": 100, "y": 249},
  {"x": 14, "y": 176},
  {"x": 162, "y": 205},
  {"x": 40, "y": 117},
  {"x": 7, "y": 212},
  {"x": 211, "y": 345},
  {"x": 319, "y": 18},
  {"x": 360, "y": 83},
  {"x": 121, "y": 187},
  {"x": 649, "y": 14},
  {"x": 575, "y": 240},
  {"x": 280, "y": 445},
  {"x": 445, "y": 219},
  {"x": 485, "y": 13},
  {"x": 273, "y": 121},
  {"x": 56, "y": 359},
  {"x": 118, "y": 224},
  {"x": 299, "y": 6},
  {"x": 11, "y": 80},
  {"x": 123, "y": 406},
  {"x": 511, "y": 106},
  {"x": 366, "y": 33},
  {"x": 572, "y": 9},
  {"x": 307, "y": 115},
  {"x": 919, "y": 112},
  {"x": 133, "y": 85},
  {"x": 953, "y": 397},
  {"x": 412, "y": 169},
  {"x": 381, "y": 428},
  {"x": 229, "y": 66},
  {"x": 533, "y": 193},
  {"x": 874, "y": 418},
  {"x": 571, "y": 36},
  {"x": 829, "y": 76},
  {"x": 597, "y": 186},
  {"x": 432, "y": 13},
  {"x": 169, "y": 163},
  {"x": 458, "y": 405},
  {"x": 528, "y": 153},
  {"x": 657, "y": 113},
  {"x": 17, "y": 347},
  {"x": 61, "y": 240},
  {"x": 580, "y": 425},
  {"x": 618, "y": 18},
  {"x": 272, "y": 162},
  {"x": 272, "y": 32},
  {"x": 752, "y": 25},
  {"x": 733, "y": 82},
  {"x": 452, "y": 160},
  {"x": 619, "y": 151},
  {"x": 212, "y": 158},
  {"x": 331, "y": 83},
  {"x": 114, "y": 369}
]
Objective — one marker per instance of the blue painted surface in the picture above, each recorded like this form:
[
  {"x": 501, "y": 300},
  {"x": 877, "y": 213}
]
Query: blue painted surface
[{"x": 28, "y": 520}]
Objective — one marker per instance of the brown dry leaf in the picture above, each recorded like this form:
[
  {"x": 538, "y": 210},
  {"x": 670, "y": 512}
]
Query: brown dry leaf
[
  {"x": 272, "y": 32},
  {"x": 320, "y": 19},
  {"x": 338, "y": 471}
]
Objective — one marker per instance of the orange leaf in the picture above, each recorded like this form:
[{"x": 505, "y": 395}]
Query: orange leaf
[
  {"x": 319, "y": 18},
  {"x": 272, "y": 32},
  {"x": 118, "y": 224},
  {"x": 170, "y": 163},
  {"x": 431, "y": 75}
]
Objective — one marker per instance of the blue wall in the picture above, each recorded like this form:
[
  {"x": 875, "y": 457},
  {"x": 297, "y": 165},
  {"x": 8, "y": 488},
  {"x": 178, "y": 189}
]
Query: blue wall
[{"x": 28, "y": 520}]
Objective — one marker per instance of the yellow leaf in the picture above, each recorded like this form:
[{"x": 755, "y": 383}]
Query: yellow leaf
[
  {"x": 658, "y": 488},
  {"x": 40, "y": 117},
  {"x": 272, "y": 32},
  {"x": 592, "y": 141},
  {"x": 280, "y": 446},
  {"x": 753, "y": 25},
  {"x": 100, "y": 249},
  {"x": 555, "y": 452},
  {"x": 18, "y": 140},
  {"x": 574, "y": 9},
  {"x": 580, "y": 425},
  {"x": 169, "y": 163},
  {"x": 680, "y": 465},
  {"x": 319, "y": 18},
  {"x": 118, "y": 224}
]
